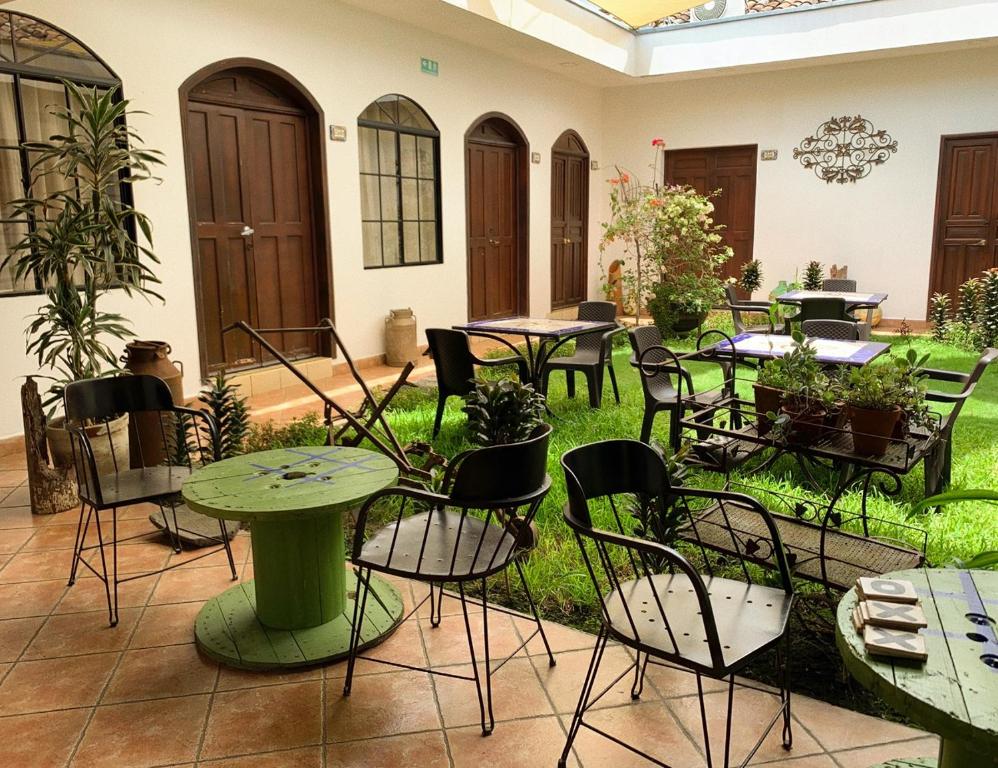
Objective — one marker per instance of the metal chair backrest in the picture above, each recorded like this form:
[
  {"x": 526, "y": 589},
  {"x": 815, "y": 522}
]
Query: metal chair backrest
[
  {"x": 94, "y": 400},
  {"x": 620, "y": 564},
  {"x": 841, "y": 330},
  {"x": 500, "y": 473},
  {"x": 451, "y": 353},
  {"x": 594, "y": 311},
  {"x": 838, "y": 284},
  {"x": 822, "y": 308}
]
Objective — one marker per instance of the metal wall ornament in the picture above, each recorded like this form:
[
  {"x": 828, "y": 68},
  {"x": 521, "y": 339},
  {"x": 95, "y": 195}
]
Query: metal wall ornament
[{"x": 845, "y": 149}]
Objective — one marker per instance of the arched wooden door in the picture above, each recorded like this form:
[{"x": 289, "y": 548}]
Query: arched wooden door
[
  {"x": 497, "y": 164},
  {"x": 254, "y": 176},
  {"x": 569, "y": 220}
]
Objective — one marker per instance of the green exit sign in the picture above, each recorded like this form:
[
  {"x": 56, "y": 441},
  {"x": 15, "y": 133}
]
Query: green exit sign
[{"x": 429, "y": 67}]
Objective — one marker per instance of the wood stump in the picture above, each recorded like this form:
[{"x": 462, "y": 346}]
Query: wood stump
[{"x": 51, "y": 489}]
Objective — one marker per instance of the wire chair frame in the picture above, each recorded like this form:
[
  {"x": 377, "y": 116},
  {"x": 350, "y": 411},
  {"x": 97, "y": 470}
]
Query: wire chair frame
[
  {"x": 474, "y": 528},
  {"x": 653, "y": 600},
  {"x": 189, "y": 439}
]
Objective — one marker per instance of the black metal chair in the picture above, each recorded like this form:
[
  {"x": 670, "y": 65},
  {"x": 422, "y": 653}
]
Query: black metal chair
[
  {"x": 739, "y": 306},
  {"x": 455, "y": 364},
  {"x": 593, "y": 354},
  {"x": 656, "y": 366},
  {"x": 939, "y": 463},
  {"x": 652, "y": 599},
  {"x": 477, "y": 526},
  {"x": 841, "y": 330},
  {"x": 190, "y": 438},
  {"x": 838, "y": 284}
]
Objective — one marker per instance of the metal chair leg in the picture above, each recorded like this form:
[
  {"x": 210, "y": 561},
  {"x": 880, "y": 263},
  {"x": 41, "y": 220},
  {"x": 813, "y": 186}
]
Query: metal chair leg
[
  {"x": 587, "y": 689},
  {"x": 533, "y": 610},
  {"x": 727, "y": 724},
  {"x": 474, "y": 661},
  {"x": 783, "y": 658},
  {"x": 228, "y": 548},
  {"x": 637, "y": 688},
  {"x": 359, "y": 605},
  {"x": 81, "y": 537},
  {"x": 436, "y": 603},
  {"x": 703, "y": 721},
  {"x": 488, "y": 661},
  {"x": 103, "y": 560}
]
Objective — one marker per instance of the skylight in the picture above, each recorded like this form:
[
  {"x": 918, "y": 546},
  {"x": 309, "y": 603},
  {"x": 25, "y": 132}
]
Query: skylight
[{"x": 639, "y": 15}]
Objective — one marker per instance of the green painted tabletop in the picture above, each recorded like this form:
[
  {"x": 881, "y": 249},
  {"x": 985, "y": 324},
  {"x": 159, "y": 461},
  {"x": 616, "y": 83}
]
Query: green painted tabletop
[
  {"x": 289, "y": 483},
  {"x": 955, "y": 692}
]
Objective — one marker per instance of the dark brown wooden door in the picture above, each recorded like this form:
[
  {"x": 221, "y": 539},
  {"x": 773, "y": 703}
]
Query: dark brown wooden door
[
  {"x": 966, "y": 234},
  {"x": 493, "y": 233},
  {"x": 732, "y": 170},
  {"x": 569, "y": 222},
  {"x": 251, "y": 188}
]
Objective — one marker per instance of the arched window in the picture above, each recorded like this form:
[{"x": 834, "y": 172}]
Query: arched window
[
  {"x": 399, "y": 184},
  {"x": 35, "y": 58}
]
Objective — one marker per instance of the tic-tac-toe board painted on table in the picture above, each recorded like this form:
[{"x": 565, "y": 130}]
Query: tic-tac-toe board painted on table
[{"x": 289, "y": 483}]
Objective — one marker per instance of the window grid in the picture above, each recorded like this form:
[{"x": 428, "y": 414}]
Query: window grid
[{"x": 395, "y": 179}]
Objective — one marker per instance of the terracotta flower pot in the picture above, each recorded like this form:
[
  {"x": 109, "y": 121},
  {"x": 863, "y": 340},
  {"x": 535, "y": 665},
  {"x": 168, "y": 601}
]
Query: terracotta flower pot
[
  {"x": 61, "y": 448},
  {"x": 807, "y": 423},
  {"x": 767, "y": 399},
  {"x": 872, "y": 429}
]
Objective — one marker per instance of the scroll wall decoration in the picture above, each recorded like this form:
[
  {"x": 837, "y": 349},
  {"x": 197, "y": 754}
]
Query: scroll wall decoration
[{"x": 845, "y": 149}]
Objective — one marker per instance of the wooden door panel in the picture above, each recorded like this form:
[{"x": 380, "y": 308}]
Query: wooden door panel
[
  {"x": 966, "y": 213},
  {"x": 569, "y": 217}
]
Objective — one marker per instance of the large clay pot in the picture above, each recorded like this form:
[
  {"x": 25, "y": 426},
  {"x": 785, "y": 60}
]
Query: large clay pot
[
  {"x": 807, "y": 423},
  {"x": 61, "y": 449},
  {"x": 145, "y": 431},
  {"x": 872, "y": 429}
]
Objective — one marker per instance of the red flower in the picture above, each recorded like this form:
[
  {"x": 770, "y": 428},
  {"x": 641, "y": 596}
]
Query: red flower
[
  {"x": 658, "y": 142},
  {"x": 656, "y": 202},
  {"x": 624, "y": 178},
  {"x": 614, "y": 181}
]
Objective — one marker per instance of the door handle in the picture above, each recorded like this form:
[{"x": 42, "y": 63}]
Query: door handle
[
  {"x": 247, "y": 231},
  {"x": 981, "y": 242},
  {"x": 566, "y": 241},
  {"x": 493, "y": 241}
]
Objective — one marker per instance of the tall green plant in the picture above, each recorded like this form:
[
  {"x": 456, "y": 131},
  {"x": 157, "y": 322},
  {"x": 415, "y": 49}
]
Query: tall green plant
[
  {"x": 969, "y": 294},
  {"x": 502, "y": 412},
  {"x": 231, "y": 414},
  {"x": 987, "y": 308},
  {"x": 814, "y": 274},
  {"x": 939, "y": 315},
  {"x": 81, "y": 244},
  {"x": 751, "y": 276}
]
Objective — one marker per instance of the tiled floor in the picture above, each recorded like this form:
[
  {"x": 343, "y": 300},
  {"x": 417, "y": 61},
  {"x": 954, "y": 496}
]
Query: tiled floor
[{"x": 75, "y": 692}]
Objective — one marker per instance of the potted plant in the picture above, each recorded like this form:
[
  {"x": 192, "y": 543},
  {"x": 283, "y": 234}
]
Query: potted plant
[
  {"x": 814, "y": 274},
  {"x": 874, "y": 395},
  {"x": 503, "y": 412},
  {"x": 751, "y": 277},
  {"x": 770, "y": 388},
  {"x": 676, "y": 248},
  {"x": 805, "y": 391},
  {"x": 83, "y": 245}
]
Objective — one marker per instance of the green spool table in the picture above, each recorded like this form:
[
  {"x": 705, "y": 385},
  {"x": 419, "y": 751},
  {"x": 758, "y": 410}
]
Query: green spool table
[
  {"x": 298, "y": 608},
  {"x": 955, "y": 692}
]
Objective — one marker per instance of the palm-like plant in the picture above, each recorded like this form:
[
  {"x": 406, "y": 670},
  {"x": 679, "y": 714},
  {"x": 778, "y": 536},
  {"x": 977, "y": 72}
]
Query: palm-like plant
[{"x": 83, "y": 242}]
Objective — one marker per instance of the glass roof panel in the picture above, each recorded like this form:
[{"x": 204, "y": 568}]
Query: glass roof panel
[{"x": 638, "y": 13}]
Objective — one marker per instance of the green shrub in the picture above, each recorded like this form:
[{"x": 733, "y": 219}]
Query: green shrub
[
  {"x": 939, "y": 315},
  {"x": 303, "y": 430},
  {"x": 751, "y": 278},
  {"x": 987, "y": 308},
  {"x": 813, "y": 275},
  {"x": 502, "y": 412},
  {"x": 231, "y": 414}
]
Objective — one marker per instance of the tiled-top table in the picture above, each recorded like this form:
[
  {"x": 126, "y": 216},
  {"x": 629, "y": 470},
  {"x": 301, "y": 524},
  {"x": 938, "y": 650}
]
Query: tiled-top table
[
  {"x": 541, "y": 328},
  {"x": 955, "y": 692},
  {"x": 767, "y": 346},
  {"x": 852, "y": 299},
  {"x": 297, "y": 610}
]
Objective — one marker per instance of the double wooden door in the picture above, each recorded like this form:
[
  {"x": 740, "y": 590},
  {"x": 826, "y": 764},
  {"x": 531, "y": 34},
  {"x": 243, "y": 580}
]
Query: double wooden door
[
  {"x": 966, "y": 232},
  {"x": 494, "y": 273},
  {"x": 732, "y": 170},
  {"x": 251, "y": 190},
  {"x": 569, "y": 221}
]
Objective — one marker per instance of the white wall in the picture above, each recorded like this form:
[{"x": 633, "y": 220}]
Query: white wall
[
  {"x": 346, "y": 58},
  {"x": 881, "y": 226}
]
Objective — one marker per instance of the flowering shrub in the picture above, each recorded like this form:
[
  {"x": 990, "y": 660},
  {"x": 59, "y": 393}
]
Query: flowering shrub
[{"x": 676, "y": 248}]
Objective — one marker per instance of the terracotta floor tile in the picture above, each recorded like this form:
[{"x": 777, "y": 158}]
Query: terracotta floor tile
[
  {"x": 38, "y": 686},
  {"x": 10, "y": 478},
  {"x": 159, "y": 673},
  {"x": 752, "y": 713},
  {"x": 380, "y": 705},
  {"x": 19, "y": 517},
  {"x": 448, "y": 643},
  {"x": 30, "y": 598},
  {"x": 672, "y": 683},
  {"x": 137, "y": 511},
  {"x": 233, "y": 679},
  {"x": 560, "y": 638},
  {"x": 41, "y": 740},
  {"x": 425, "y": 750},
  {"x": 837, "y": 728},
  {"x": 535, "y": 742},
  {"x": 812, "y": 761},
  {"x": 134, "y": 557},
  {"x": 647, "y": 726},
  {"x": 310, "y": 757},
  {"x": 867, "y": 756},
  {"x": 52, "y": 537},
  {"x": 13, "y": 539},
  {"x": 564, "y": 681},
  {"x": 184, "y": 585},
  {"x": 88, "y": 594},
  {"x": 36, "y": 566},
  {"x": 450, "y": 606},
  {"x": 165, "y": 625},
  {"x": 272, "y": 717},
  {"x": 405, "y": 646},
  {"x": 516, "y": 693},
  {"x": 73, "y": 634},
  {"x": 240, "y": 547},
  {"x": 15, "y": 634},
  {"x": 143, "y": 733}
]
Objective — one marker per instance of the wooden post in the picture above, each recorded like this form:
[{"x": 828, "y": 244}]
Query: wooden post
[{"x": 50, "y": 488}]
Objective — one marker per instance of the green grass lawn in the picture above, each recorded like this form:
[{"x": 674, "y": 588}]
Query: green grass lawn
[{"x": 555, "y": 569}]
